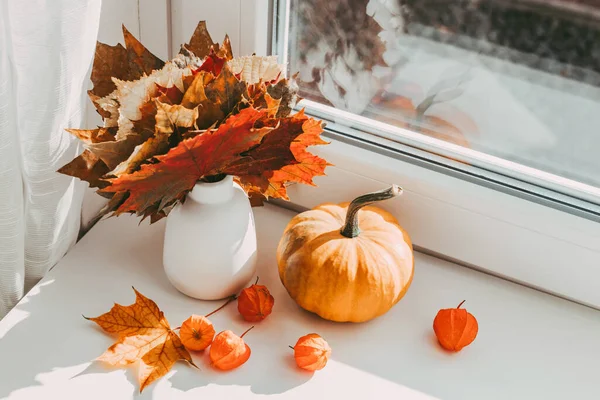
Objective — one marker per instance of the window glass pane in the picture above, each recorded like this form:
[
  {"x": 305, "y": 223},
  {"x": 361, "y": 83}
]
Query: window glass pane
[{"x": 516, "y": 79}]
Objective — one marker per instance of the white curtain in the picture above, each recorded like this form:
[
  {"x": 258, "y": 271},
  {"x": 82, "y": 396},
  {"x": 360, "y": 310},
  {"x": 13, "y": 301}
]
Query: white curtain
[{"x": 46, "y": 51}]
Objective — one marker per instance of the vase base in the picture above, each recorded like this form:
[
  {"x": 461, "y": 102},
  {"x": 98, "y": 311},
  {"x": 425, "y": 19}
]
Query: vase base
[{"x": 200, "y": 290}]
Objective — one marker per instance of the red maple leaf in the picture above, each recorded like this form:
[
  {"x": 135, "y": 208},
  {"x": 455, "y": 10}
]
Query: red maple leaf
[
  {"x": 203, "y": 155},
  {"x": 170, "y": 95},
  {"x": 213, "y": 63},
  {"x": 305, "y": 167},
  {"x": 249, "y": 145}
]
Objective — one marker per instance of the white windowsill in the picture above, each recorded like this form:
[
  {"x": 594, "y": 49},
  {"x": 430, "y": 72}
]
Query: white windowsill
[{"x": 530, "y": 345}]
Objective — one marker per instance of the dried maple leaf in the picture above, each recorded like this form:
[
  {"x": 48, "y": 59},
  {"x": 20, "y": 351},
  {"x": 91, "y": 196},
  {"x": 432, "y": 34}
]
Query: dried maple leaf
[
  {"x": 195, "y": 96},
  {"x": 226, "y": 90},
  {"x": 225, "y": 50},
  {"x": 182, "y": 166},
  {"x": 168, "y": 125},
  {"x": 108, "y": 108},
  {"x": 127, "y": 104},
  {"x": 154, "y": 125},
  {"x": 144, "y": 336},
  {"x": 286, "y": 90},
  {"x": 195, "y": 93},
  {"x": 169, "y": 95},
  {"x": 94, "y": 99},
  {"x": 212, "y": 63},
  {"x": 93, "y": 135},
  {"x": 87, "y": 167},
  {"x": 137, "y": 122},
  {"x": 298, "y": 132},
  {"x": 272, "y": 105},
  {"x": 170, "y": 118},
  {"x": 141, "y": 61},
  {"x": 123, "y": 63},
  {"x": 114, "y": 152},
  {"x": 200, "y": 43},
  {"x": 216, "y": 97},
  {"x": 109, "y": 62},
  {"x": 146, "y": 125},
  {"x": 273, "y": 184},
  {"x": 242, "y": 146},
  {"x": 254, "y": 69},
  {"x": 159, "y": 144}
]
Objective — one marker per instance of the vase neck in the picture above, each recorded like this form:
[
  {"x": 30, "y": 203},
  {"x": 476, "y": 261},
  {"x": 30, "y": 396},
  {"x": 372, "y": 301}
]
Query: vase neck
[{"x": 214, "y": 192}]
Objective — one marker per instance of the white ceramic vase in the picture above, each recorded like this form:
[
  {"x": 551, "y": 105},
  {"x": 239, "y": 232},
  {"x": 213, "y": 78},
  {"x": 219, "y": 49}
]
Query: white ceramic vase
[{"x": 210, "y": 241}]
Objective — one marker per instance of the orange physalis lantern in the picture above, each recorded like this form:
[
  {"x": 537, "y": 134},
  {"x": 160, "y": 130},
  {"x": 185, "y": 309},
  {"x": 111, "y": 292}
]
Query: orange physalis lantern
[
  {"x": 197, "y": 332},
  {"x": 255, "y": 303},
  {"x": 229, "y": 351},
  {"x": 455, "y": 328},
  {"x": 311, "y": 352}
]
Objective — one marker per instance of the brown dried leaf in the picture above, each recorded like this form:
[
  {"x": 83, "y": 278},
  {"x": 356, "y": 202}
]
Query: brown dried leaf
[
  {"x": 141, "y": 60},
  {"x": 156, "y": 145},
  {"x": 248, "y": 145},
  {"x": 87, "y": 167},
  {"x": 256, "y": 199},
  {"x": 113, "y": 153},
  {"x": 169, "y": 118},
  {"x": 305, "y": 132},
  {"x": 109, "y": 62},
  {"x": 272, "y": 105},
  {"x": 178, "y": 170},
  {"x": 200, "y": 43},
  {"x": 226, "y": 90},
  {"x": 93, "y": 135},
  {"x": 285, "y": 90},
  {"x": 103, "y": 113},
  {"x": 254, "y": 69},
  {"x": 108, "y": 108},
  {"x": 145, "y": 126},
  {"x": 144, "y": 335},
  {"x": 225, "y": 50},
  {"x": 208, "y": 112},
  {"x": 195, "y": 93}
]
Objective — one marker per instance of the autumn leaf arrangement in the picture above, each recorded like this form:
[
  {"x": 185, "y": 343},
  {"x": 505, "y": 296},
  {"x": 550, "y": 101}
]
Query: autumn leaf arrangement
[
  {"x": 145, "y": 337},
  {"x": 200, "y": 116}
]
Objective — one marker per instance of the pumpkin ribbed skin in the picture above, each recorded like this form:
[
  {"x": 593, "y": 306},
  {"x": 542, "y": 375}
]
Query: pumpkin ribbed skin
[{"x": 340, "y": 278}]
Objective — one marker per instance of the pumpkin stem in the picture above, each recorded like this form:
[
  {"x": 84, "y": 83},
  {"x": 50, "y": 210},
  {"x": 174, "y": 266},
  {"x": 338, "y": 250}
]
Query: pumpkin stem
[
  {"x": 256, "y": 280},
  {"x": 232, "y": 298},
  {"x": 247, "y": 330},
  {"x": 351, "y": 228},
  {"x": 461, "y": 303},
  {"x": 291, "y": 347}
]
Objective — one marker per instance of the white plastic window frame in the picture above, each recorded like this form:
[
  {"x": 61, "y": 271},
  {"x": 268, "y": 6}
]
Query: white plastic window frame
[{"x": 446, "y": 212}]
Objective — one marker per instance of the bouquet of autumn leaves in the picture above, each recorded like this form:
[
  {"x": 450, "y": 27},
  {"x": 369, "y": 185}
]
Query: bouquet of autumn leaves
[{"x": 198, "y": 117}]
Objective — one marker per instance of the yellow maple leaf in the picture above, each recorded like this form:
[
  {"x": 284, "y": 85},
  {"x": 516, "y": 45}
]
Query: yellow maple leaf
[{"x": 145, "y": 336}]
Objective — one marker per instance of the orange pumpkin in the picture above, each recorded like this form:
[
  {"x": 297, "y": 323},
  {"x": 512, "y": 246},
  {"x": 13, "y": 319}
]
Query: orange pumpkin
[
  {"x": 311, "y": 352},
  {"x": 346, "y": 262}
]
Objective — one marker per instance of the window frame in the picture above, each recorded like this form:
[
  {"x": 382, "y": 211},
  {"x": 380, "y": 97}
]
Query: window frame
[{"x": 479, "y": 219}]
